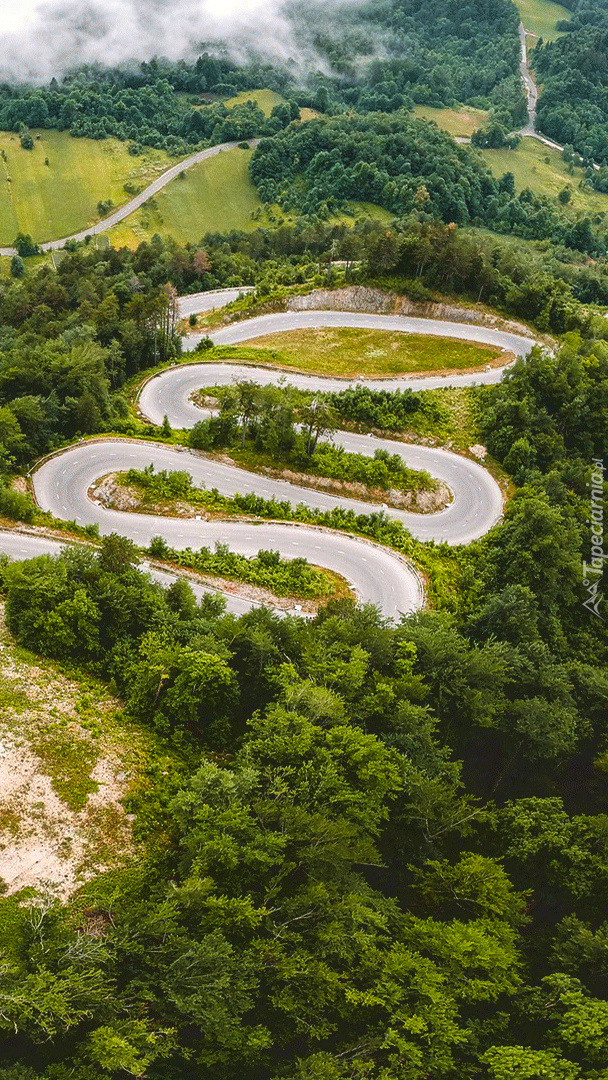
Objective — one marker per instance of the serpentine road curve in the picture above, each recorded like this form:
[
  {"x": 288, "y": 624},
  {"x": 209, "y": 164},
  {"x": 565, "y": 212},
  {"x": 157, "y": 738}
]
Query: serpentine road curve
[
  {"x": 240, "y": 332},
  {"x": 378, "y": 575}
]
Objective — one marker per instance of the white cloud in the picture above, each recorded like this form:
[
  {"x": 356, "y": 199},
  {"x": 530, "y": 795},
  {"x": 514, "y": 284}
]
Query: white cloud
[{"x": 41, "y": 38}]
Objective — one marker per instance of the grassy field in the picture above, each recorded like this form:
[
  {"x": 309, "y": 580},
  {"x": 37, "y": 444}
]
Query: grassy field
[
  {"x": 217, "y": 195},
  {"x": 266, "y": 99},
  {"x": 54, "y": 200},
  {"x": 542, "y": 170},
  {"x": 540, "y": 17},
  {"x": 350, "y": 352},
  {"x": 458, "y": 122}
]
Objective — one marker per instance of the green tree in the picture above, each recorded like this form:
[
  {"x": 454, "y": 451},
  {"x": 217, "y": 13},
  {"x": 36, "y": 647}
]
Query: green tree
[
  {"x": 182, "y": 688},
  {"x": 523, "y": 1063},
  {"x": 17, "y": 266}
]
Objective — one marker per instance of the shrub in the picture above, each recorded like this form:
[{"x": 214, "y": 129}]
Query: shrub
[{"x": 16, "y": 505}]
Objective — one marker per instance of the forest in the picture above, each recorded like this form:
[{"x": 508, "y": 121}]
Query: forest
[
  {"x": 404, "y": 165},
  {"x": 573, "y": 70},
  {"x": 381, "y": 851},
  {"x": 385, "y": 851},
  {"x": 433, "y": 56}
]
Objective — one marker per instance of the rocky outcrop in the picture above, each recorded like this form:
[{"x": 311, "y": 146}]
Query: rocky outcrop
[{"x": 380, "y": 302}]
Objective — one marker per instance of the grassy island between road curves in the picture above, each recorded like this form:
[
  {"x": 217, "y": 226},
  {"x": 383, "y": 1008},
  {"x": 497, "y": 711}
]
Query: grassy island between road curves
[{"x": 351, "y": 353}]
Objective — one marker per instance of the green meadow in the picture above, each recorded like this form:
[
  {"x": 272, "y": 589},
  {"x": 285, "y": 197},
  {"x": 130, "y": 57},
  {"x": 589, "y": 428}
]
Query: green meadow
[
  {"x": 540, "y": 17},
  {"x": 53, "y": 190}
]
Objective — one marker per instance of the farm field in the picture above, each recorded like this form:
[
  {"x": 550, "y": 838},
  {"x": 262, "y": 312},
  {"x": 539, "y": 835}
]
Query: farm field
[
  {"x": 350, "y": 352},
  {"x": 54, "y": 200},
  {"x": 540, "y": 18}
]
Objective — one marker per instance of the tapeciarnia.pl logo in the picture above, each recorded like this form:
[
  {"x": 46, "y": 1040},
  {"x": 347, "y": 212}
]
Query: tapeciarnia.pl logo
[{"x": 593, "y": 570}]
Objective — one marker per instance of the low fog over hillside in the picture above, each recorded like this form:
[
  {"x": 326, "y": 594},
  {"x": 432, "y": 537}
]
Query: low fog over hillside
[{"x": 42, "y": 38}]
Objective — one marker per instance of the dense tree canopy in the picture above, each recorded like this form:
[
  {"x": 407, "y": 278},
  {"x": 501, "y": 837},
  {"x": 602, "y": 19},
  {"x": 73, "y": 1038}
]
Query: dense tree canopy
[
  {"x": 406, "y": 166},
  {"x": 430, "y": 52},
  {"x": 365, "y": 851},
  {"x": 573, "y": 72}
]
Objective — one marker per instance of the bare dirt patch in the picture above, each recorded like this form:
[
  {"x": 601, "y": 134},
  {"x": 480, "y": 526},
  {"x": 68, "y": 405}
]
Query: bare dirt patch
[{"x": 63, "y": 776}]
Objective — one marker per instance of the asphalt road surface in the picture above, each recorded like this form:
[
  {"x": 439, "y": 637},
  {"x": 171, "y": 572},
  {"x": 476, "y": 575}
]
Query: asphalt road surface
[
  {"x": 377, "y": 575},
  {"x": 197, "y": 303},
  {"x": 239, "y": 332},
  {"x": 529, "y": 86}
]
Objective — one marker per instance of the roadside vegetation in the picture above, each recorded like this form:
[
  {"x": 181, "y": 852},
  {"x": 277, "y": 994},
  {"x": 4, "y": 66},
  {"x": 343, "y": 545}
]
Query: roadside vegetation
[
  {"x": 277, "y": 427},
  {"x": 267, "y": 570}
]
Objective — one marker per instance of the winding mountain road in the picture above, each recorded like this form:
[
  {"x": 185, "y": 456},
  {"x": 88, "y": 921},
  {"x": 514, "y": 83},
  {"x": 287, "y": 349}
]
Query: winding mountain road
[
  {"x": 529, "y": 84},
  {"x": 377, "y": 575},
  {"x": 240, "y": 332},
  {"x": 62, "y": 484},
  {"x": 529, "y": 130}
]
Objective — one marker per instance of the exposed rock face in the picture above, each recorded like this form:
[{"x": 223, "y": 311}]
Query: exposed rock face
[{"x": 379, "y": 302}]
